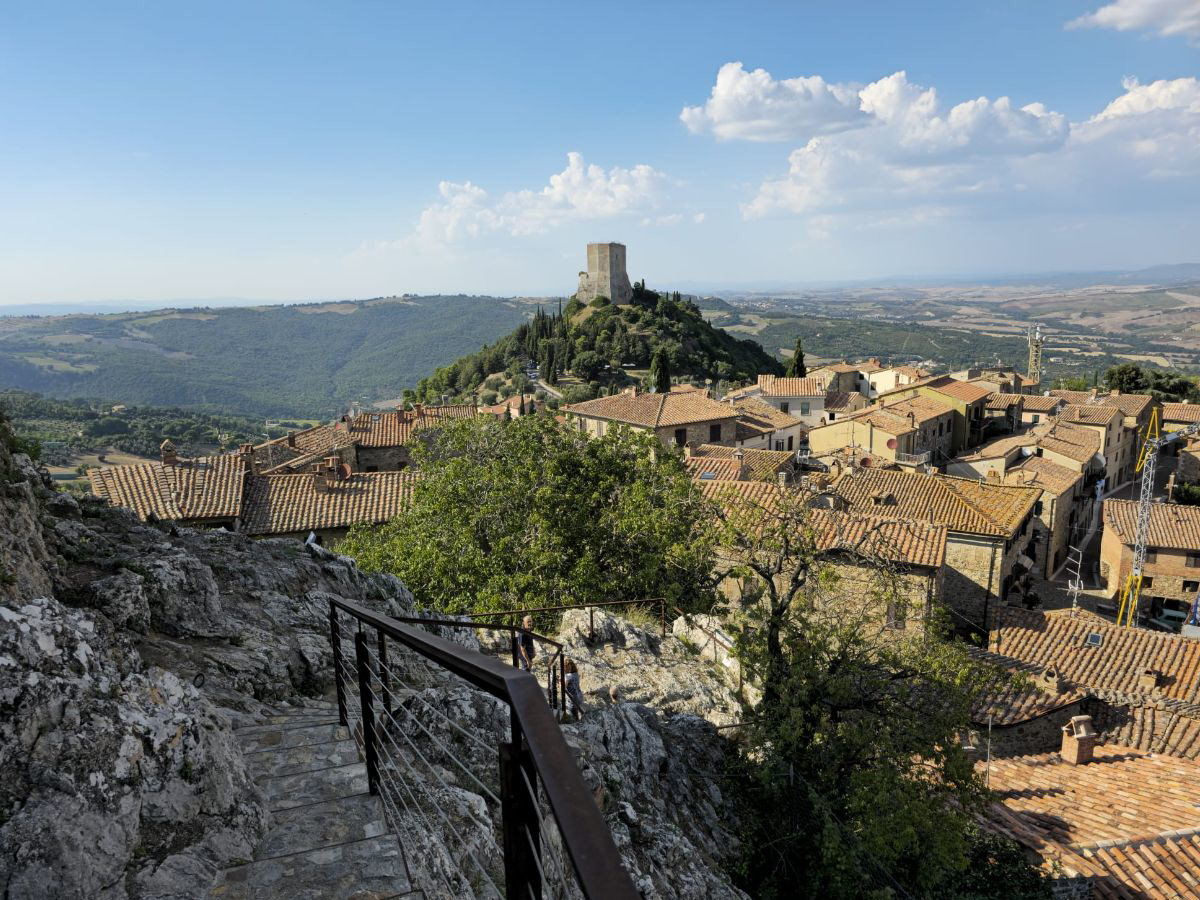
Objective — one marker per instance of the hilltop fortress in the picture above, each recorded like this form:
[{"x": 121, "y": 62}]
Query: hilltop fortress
[{"x": 605, "y": 275}]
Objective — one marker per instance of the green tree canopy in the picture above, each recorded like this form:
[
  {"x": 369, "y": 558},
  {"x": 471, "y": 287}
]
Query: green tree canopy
[
  {"x": 795, "y": 366},
  {"x": 529, "y": 513},
  {"x": 854, "y": 778}
]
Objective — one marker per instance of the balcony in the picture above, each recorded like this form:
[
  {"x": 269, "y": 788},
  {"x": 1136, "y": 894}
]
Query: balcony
[{"x": 913, "y": 459}]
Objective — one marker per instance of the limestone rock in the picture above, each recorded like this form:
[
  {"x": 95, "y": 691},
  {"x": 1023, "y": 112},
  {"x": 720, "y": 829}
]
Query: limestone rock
[{"x": 110, "y": 770}]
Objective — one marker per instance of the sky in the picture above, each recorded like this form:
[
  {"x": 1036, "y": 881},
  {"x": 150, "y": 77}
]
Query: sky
[{"x": 311, "y": 150}]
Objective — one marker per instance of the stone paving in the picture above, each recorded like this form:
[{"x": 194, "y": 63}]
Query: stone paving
[{"x": 329, "y": 838}]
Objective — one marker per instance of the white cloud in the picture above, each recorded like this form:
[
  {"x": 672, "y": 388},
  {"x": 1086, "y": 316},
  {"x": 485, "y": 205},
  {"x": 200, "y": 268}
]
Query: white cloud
[
  {"x": 1167, "y": 17},
  {"x": 910, "y": 147},
  {"x": 578, "y": 193},
  {"x": 1151, "y": 130},
  {"x": 753, "y": 106}
]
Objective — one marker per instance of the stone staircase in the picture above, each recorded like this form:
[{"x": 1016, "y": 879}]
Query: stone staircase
[{"x": 329, "y": 837}]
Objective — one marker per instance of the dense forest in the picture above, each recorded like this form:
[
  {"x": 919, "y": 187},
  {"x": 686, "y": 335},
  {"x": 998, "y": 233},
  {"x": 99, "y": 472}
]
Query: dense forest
[
  {"x": 303, "y": 360},
  {"x": 601, "y": 344}
]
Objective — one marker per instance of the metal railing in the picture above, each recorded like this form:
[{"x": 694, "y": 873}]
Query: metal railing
[
  {"x": 469, "y": 763},
  {"x": 913, "y": 459}
]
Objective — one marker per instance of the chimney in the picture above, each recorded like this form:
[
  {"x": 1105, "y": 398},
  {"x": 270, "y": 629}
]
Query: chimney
[
  {"x": 743, "y": 470},
  {"x": 169, "y": 456},
  {"x": 291, "y": 439},
  {"x": 993, "y": 476},
  {"x": 418, "y": 409},
  {"x": 782, "y": 476},
  {"x": 247, "y": 452},
  {"x": 689, "y": 450},
  {"x": 1051, "y": 681},
  {"x": 320, "y": 484},
  {"x": 1079, "y": 741},
  {"x": 1148, "y": 680}
]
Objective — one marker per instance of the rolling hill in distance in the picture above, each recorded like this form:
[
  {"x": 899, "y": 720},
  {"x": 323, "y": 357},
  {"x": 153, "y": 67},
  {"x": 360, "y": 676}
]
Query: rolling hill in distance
[{"x": 312, "y": 359}]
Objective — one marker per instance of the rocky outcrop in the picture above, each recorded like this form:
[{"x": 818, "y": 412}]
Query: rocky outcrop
[
  {"x": 118, "y": 782},
  {"x": 667, "y": 674}
]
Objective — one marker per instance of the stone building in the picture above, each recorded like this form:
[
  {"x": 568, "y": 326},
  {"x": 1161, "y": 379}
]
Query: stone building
[
  {"x": 677, "y": 418},
  {"x": 1065, "y": 506},
  {"x": 989, "y": 526},
  {"x": 762, "y": 426},
  {"x": 605, "y": 275},
  {"x": 1122, "y": 436},
  {"x": 886, "y": 569},
  {"x": 1171, "y": 575},
  {"x": 909, "y": 431}
]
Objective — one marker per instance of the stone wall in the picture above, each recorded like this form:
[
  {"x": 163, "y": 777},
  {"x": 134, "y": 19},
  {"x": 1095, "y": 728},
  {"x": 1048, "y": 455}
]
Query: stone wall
[
  {"x": 700, "y": 433},
  {"x": 1040, "y": 735},
  {"x": 606, "y": 275},
  {"x": 382, "y": 459}
]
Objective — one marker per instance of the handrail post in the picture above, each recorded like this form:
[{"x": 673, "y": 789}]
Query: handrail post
[
  {"x": 521, "y": 826},
  {"x": 662, "y": 618},
  {"x": 335, "y": 639},
  {"x": 368, "y": 711},
  {"x": 385, "y": 681}
]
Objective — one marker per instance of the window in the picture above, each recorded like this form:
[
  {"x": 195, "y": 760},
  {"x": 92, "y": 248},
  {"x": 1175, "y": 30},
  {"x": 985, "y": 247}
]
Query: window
[
  {"x": 1037, "y": 508},
  {"x": 1147, "y": 581},
  {"x": 804, "y": 408},
  {"x": 785, "y": 407},
  {"x": 680, "y": 437},
  {"x": 1038, "y": 451},
  {"x": 831, "y": 417},
  {"x": 1036, "y": 419},
  {"x": 1191, "y": 587},
  {"x": 1193, "y": 560},
  {"x": 1151, "y": 554},
  {"x": 714, "y": 432},
  {"x": 779, "y": 445},
  {"x": 895, "y": 615},
  {"x": 789, "y": 446},
  {"x": 1094, "y": 639}
]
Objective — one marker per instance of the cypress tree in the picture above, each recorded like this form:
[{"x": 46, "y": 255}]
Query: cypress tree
[
  {"x": 795, "y": 366},
  {"x": 660, "y": 371}
]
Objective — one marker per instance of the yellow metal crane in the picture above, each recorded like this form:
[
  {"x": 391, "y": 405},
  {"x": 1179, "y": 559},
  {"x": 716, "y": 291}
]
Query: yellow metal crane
[{"x": 1152, "y": 442}]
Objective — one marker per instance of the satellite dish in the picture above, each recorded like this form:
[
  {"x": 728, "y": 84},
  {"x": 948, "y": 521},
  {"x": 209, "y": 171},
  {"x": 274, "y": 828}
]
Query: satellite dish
[
  {"x": 891, "y": 444},
  {"x": 344, "y": 471},
  {"x": 865, "y": 462}
]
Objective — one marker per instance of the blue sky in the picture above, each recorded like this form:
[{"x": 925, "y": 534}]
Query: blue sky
[{"x": 308, "y": 150}]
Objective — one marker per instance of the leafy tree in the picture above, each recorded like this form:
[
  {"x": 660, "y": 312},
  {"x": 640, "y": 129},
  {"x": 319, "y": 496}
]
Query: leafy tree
[
  {"x": 853, "y": 776},
  {"x": 660, "y": 371},
  {"x": 588, "y": 365},
  {"x": 1128, "y": 378},
  {"x": 529, "y": 513},
  {"x": 795, "y": 366}
]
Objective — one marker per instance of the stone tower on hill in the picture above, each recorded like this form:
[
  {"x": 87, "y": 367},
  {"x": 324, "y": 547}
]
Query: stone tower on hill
[{"x": 605, "y": 275}]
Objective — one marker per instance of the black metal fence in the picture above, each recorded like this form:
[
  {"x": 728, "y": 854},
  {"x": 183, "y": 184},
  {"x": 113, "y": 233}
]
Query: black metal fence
[{"x": 468, "y": 760}]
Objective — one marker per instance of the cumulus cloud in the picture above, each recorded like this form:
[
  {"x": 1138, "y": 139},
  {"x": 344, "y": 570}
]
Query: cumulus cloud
[
  {"x": 910, "y": 145},
  {"x": 1152, "y": 129},
  {"x": 1168, "y": 18},
  {"x": 578, "y": 193},
  {"x": 753, "y": 106}
]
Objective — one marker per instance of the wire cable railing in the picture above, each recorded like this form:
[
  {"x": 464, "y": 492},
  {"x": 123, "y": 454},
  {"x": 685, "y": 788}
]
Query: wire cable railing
[{"x": 470, "y": 766}]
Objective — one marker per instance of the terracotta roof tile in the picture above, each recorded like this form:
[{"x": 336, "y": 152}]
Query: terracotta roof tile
[
  {"x": 1186, "y": 413},
  {"x": 1041, "y": 472},
  {"x": 889, "y": 537},
  {"x": 762, "y": 416},
  {"x": 1129, "y": 404},
  {"x": 279, "y": 504},
  {"x": 1039, "y": 404},
  {"x": 961, "y": 504},
  {"x": 722, "y": 462},
  {"x": 1172, "y": 525},
  {"x": 912, "y": 372},
  {"x": 208, "y": 487},
  {"x": 1123, "y": 795},
  {"x": 774, "y": 386},
  {"x": 1041, "y": 639},
  {"x": 1077, "y": 414},
  {"x": 959, "y": 390},
  {"x": 655, "y": 410},
  {"x": 1003, "y": 401}
]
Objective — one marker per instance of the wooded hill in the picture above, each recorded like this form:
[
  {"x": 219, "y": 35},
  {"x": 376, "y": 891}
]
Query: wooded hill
[{"x": 603, "y": 345}]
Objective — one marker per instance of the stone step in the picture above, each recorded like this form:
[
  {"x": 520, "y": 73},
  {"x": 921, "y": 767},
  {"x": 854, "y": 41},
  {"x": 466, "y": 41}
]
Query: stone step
[
  {"x": 305, "y": 788},
  {"x": 324, "y": 824},
  {"x": 282, "y": 738},
  {"x": 284, "y": 722},
  {"x": 305, "y": 758},
  {"x": 369, "y": 869}
]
